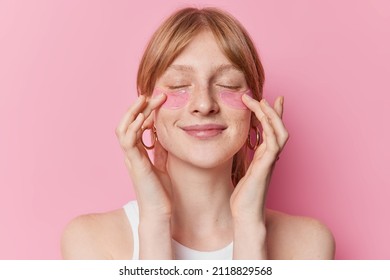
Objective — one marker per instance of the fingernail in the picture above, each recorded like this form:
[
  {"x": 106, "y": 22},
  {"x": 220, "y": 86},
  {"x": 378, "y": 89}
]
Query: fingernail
[
  {"x": 247, "y": 96},
  {"x": 140, "y": 116},
  {"x": 158, "y": 96},
  {"x": 282, "y": 100}
]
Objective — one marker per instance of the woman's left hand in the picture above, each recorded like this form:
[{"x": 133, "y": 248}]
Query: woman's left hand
[
  {"x": 247, "y": 202},
  {"x": 248, "y": 199}
]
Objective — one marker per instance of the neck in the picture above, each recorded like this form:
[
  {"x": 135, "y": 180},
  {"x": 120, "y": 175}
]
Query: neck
[{"x": 201, "y": 200}]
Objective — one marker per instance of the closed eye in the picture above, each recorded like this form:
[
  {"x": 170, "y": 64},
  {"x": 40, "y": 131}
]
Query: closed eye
[
  {"x": 229, "y": 86},
  {"x": 178, "y": 87}
]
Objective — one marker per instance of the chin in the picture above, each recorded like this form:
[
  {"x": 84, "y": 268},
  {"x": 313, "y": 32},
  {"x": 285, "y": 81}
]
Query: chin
[
  {"x": 205, "y": 159},
  {"x": 208, "y": 163},
  {"x": 207, "y": 155}
]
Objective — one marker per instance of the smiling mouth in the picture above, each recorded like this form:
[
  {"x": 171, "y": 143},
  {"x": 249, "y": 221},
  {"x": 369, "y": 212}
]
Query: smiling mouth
[{"x": 204, "y": 131}]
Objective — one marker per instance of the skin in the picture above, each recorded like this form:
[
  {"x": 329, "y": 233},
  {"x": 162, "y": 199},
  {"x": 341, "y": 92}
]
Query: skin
[{"x": 165, "y": 190}]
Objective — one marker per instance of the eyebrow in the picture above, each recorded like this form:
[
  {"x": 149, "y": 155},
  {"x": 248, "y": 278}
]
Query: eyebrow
[
  {"x": 178, "y": 67},
  {"x": 219, "y": 69},
  {"x": 226, "y": 67}
]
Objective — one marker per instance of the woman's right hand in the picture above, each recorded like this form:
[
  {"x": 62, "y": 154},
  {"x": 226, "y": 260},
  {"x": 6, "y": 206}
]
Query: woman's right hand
[{"x": 151, "y": 182}]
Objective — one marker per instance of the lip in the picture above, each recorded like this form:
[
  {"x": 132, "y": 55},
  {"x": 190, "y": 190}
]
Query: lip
[{"x": 204, "y": 131}]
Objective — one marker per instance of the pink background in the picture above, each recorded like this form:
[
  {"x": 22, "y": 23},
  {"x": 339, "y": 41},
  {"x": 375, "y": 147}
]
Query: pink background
[{"x": 67, "y": 75}]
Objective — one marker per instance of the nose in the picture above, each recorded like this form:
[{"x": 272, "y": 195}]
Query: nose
[{"x": 202, "y": 102}]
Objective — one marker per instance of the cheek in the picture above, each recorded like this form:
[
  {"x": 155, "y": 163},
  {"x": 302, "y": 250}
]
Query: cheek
[
  {"x": 245, "y": 126},
  {"x": 241, "y": 124},
  {"x": 162, "y": 120},
  {"x": 233, "y": 99}
]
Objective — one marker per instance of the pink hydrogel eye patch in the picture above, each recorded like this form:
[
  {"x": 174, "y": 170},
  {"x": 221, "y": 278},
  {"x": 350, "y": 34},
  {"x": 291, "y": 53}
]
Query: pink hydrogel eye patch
[
  {"x": 179, "y": 98},
  {"x": 175, "y": 99},
  {"x": 233, "y": 99}
]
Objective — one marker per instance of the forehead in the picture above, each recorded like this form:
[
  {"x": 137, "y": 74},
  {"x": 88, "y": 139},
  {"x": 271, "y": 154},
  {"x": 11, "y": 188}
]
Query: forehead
[
  {"x": 222, "y": 68},
  {"x": 203, "y": 50}
]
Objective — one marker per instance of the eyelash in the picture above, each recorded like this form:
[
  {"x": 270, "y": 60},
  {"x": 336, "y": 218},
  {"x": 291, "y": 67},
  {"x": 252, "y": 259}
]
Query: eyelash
[
  {"x": 229, "y": 87},
  {"x": 178, "y": 87},
  {"x": 184, "y": 86}
]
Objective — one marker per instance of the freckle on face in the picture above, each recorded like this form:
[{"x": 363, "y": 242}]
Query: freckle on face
[{"x": 178, "y": 99}]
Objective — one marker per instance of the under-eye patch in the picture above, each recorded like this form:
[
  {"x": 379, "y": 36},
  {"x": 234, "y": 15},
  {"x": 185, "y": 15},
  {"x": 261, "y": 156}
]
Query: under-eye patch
[
  {"x": 233, "y": 99},
  {"x": 177, "y": 99}
]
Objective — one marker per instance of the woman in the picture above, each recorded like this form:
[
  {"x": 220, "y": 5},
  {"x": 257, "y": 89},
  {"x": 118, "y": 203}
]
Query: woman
[{"x": 200, "y": 86}]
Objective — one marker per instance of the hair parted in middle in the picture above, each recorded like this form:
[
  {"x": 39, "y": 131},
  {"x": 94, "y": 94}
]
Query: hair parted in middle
[{"x": 175, "y": 33}]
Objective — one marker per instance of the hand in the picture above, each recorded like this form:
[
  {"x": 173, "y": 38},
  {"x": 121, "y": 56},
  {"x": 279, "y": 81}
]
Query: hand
[
  {"x": 151, "y": 182},
  {"x": 248, "y": 199}
]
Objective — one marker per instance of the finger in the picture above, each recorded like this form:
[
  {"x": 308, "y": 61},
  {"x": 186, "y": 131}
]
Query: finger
[
  {"x": 133, "y": 134},
  {"x": 130, "y": 142},
  {"x": 152, "y": 104},
  {"x": 135, "y": 131},
  {"x": 135, "y": 151},
  {"x": 148, "y": 123},
  {"x": 141, "y": 104},
  {"x": 253, "y": 105},
  {"x": 278, "y": 106},
  {"x": 269, "y": 137},
  {"x": 261, "y": 109},
  {"x": 130, "y": 116},
  {"x": 276, "y": 122}
]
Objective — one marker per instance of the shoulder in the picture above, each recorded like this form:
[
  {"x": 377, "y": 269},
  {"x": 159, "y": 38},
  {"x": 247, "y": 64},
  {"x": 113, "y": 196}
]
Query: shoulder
[
  {"x": 296, "y": 237},
  {"x": 98, "y": 236}
]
